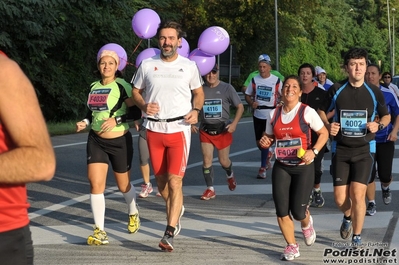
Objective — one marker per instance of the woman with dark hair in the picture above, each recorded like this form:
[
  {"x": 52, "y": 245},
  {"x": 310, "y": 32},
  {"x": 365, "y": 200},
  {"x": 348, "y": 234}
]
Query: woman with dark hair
[
  {"x": 109, "y": 140},
  {"x": 290, "y": 129}
]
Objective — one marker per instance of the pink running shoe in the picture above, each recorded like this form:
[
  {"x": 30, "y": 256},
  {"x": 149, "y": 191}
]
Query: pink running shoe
[
  {"x": 309, "y": 234},
  {"x": 291, "y": 252}
]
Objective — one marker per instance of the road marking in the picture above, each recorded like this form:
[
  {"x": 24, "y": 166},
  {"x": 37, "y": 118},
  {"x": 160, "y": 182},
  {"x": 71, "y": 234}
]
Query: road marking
[{"x": 193, "y": 228}]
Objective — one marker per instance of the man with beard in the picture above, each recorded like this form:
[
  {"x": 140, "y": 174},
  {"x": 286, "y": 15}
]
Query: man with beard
[{"x": 173, "y": 98}]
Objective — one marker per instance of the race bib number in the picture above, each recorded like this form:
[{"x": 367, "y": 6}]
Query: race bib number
[
  {"x": 287, "y": 150},
  {"x": 353, "y": 123},
  {"x": 97, "y": 100},
  {"x": 264, "y": 93},
  {"x": 212, "y": 108}
]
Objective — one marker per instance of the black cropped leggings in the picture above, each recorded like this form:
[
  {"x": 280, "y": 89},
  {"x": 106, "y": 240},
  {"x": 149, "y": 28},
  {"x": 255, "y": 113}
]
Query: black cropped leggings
[{"x": 291, "y": 188}]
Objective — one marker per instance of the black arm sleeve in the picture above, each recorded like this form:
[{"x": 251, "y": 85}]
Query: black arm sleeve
[{"x": 89, "y": 116}]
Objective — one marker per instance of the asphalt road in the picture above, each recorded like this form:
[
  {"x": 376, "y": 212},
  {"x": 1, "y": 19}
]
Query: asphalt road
[{"x": 236, "y": 227}]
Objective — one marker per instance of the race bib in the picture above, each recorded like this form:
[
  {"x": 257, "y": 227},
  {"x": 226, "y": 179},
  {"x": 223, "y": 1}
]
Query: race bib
[
  {"x": 264, "y": 93},
  {"x": 212, "y": 108},
  {"x": 353, "y": 123},
  {"x": 286, "y": 151},
  {"x": 97, "y": 100}
]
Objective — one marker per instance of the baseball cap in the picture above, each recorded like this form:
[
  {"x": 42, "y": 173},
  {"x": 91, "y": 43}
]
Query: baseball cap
[
  {"x": 320, "y": 70},
  {"x": 215, "y": 68},
  {"x": 264, "y": 58}
]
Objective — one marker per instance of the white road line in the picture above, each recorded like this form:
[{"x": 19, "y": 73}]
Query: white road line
[{"x": 193, "y": 228}]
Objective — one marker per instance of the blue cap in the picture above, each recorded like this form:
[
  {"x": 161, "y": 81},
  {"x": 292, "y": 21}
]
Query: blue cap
[{"x": 264, "y": 58}]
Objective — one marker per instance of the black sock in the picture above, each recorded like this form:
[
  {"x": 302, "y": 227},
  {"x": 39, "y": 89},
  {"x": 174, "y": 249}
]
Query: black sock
[
  {"x": 170, "y": 230},
  {"x": 348, "y": 218}
]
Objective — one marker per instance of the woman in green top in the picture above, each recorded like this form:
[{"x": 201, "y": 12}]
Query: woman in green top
[{"x": 109, "y": 140}]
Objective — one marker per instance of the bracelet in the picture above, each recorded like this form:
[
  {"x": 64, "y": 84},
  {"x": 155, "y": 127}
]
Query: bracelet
[{"x": 198, "y": 110}]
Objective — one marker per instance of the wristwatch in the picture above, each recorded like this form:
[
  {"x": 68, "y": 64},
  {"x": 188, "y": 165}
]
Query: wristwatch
[
  {"x": 118, "y": 120},
  {"x": 381, "y": 126},
  {"x": 315, "y": 151}
]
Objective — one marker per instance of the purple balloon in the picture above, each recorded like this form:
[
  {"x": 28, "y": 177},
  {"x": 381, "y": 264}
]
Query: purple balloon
[
  {"x": 145, "y": 23},
  {"x": 185, "y": 48},
  {"x": 119, "y": 50},
  {"x": 147, "y": 53},
  {"x": 205, "y": 62},
  {"x": 214, "y": 40}
]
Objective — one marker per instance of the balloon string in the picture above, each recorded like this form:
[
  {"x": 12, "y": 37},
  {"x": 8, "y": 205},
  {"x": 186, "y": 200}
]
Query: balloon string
[{"x": 136, "y": 47}]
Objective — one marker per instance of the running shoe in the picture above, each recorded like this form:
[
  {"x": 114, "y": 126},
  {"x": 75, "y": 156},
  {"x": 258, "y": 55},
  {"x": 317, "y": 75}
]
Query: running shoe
[
  {"x": 356, "y": 241},
  {"x": 178, "y": 225},
  {"x": 309, "y": 234},
  {"x": 291, "y": 252},
  {"x": 386, "y": 195},
  {"x": 231, "y": 182},
  {"x": 99, "y": 237},
  {"x": 146, "y": 189},
  {"x": 318, "y": 200},
  {"x": 134, "y": 223},
  {"x": 166, "y": 243},
  {"x": 346, "y": 229},
  {"x": 310, "y": 203},
  {"x": 371, "y": 209},
  {"x": 208, "y": 194},
  {"x": 261, "y": 173}
]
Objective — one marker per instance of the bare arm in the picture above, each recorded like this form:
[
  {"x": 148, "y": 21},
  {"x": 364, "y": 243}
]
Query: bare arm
[
  {"x": 232, "y": 127},
  {"x": 393, "y": 136},
  {"x": 198, "y": 103},
  {"x": 32, "y": 159}
]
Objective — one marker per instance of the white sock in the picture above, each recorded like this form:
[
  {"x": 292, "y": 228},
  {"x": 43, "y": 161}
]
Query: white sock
[
  {"x": 384, "y": 188},
  {"x": 316, "y": 189},
  {"x": 130, "y": 198},
  {"x": 211, "y": 188},
  {"x": 373, "y": 201},
  {"x": 97, "y": 202}
]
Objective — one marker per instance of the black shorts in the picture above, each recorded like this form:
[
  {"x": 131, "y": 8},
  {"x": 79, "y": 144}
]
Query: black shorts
[
  {"x": 16, "y": 247},
  {"x": 351, "y": 164},
  {"x": 259, "y": 127},
  {"x": 118, "y": 151}
]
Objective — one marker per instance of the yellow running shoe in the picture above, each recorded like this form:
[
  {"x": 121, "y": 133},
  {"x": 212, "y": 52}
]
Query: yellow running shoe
[
  {"x": 134, "y": 223},
  {"x": 99, "y": 237}
]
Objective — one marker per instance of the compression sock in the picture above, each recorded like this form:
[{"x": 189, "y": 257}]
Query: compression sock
[
  {"x": 228, "y": 170},
  {"x": 208, "y": 175}
]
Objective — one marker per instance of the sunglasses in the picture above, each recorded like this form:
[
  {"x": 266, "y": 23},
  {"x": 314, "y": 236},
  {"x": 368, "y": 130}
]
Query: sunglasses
[{"x": 387, "y": 76}]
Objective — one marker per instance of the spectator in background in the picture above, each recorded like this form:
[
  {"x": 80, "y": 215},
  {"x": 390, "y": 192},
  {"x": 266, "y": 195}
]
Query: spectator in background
[
  {"x": 26, "y": 155},
  {"x": 387, "y": 81},
  {"x": 262, "y": 95},
  {"x": 321, "y": 77},
  {"x": 216, "y": 129}
]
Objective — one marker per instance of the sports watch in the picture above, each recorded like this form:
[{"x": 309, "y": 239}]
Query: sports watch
[{"x": 315, "y": 151}]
